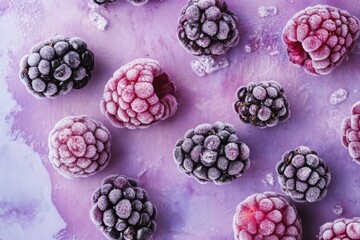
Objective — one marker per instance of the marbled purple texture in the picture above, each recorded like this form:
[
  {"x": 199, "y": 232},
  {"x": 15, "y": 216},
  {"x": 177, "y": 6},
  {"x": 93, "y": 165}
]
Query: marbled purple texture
[{"x": 187, "y": 210}]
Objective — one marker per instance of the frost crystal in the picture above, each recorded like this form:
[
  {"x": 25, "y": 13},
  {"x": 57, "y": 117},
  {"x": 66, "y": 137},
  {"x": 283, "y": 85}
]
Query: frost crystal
[
  {"x": 99, "y": 21},
  {"x": 338, "y": 96},
  {"x": 337, "y": 210},
  {"x": 265, "y": 12},
  {"x": 263, "y": 39},
  {"x": 269, "y": 179},
  {"x": 209, "y": 64}
]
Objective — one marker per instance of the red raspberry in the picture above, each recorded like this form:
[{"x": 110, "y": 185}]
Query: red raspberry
[
  {"x": 350, "y": 128},
  {"x": 138, "y": 94},
  {"x": 267, "y": 216},
  {"x": 79, "y": 146},
  {"x": 319, "y": 38},
  {"x": 340, "y": 229}
]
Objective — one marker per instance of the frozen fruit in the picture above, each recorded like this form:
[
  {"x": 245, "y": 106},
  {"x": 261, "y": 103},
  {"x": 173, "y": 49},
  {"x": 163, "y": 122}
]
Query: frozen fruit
[
  {"x": 212, "y": 153},
  {"x": 343, "y": 228},
  {"x": 350, "y": 128},
  {"x": 56, "y": 66},
  {"x": 122, "y": 210},
  {"x": 138, "y": 95},
  {"x": 303, "y": 175},
  {"x": 262, "y": 104},
  {"x": 79, "y": 146},
  {"x": 320, "y": 37},
  {"x": 133, "y": 2},
  {"x": 266, "y": 216},
  {"x": 207, "y": 27}
]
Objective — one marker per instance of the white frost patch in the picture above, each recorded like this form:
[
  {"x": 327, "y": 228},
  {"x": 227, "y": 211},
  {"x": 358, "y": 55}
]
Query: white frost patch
[
  {"x": 26, "y": 207},
  {"x": 338, "y": 96},
  {"x": 269, "y": 179},
  {"x": 96, "y": 17},
  {"x": 209, "y": 64},
  {"x": 265, "y": 12},
  {"x": 337, "y": 210}
]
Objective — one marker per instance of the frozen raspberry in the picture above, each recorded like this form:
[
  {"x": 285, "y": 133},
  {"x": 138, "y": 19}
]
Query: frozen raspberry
[
  {"x": 346, "y": 229},
  {"x": 122, "y": 210},
  {"x": 319, "y": 38},
  {"x": 207, "y": 27},
  {"x": 262, "y": 104},
  {"x": 350, "y": 128},
  {"x": 56, "y": 66},
  {"x": 303, "y": 176},
  {"x": 266, "y": 216},
  {"x": 212, "y": 153},
  {"x": 138, "y": 94},
  {"x": 79, "y": 146}
]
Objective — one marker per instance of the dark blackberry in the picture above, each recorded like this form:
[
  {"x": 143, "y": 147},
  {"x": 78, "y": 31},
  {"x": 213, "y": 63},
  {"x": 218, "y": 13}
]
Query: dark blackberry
[
  {"x": 122, "y": 210},
  {"x": 303, "y": 176},
  {"x": 212, "y": 153},
  {"x": 262, "y": 104},
  {"x": 56, "y": 66},
  {"x": 207, "y": 27}
]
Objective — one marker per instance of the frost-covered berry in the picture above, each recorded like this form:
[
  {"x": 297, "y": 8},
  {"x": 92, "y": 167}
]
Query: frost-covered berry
[
  {"x": 303, "y": 175},
  {"x": 79, "y": 146},
  {"x": 138, "y": 95},
  {"x": 133, "y": 2},
  {"x": 207, "y": 27},
  {"x": 56, "y": 66},
  {"x": 262, "y": 104},
  {"x": 212, "y": 153},
  {"x": 320, "y": 37},
  {"x": 121, "y": 210},
  {"x": 350, "y": 128},
  {"x": 266, "y": 215},
  {"x": 341, "y": 229}
]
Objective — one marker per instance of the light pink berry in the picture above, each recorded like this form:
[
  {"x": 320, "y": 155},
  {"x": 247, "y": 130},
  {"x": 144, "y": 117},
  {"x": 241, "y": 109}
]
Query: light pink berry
[
  {"x": 266, "y": 216},
  {"x": 320, "y": 37},
  {"x": 79, "y": 146},
  {"x": 138, "y": 95},
  {"x": 340, "y": 229}
]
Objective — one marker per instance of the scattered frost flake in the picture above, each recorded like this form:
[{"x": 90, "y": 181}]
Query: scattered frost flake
[
  {"x": 208, "y": 64},
  {"x": 269, "y": 179},
  {"x": 337, "y": 210},
  {"x": 338, "y": 96},
  {"x": 265, "y": 12},
  {"x": 94, "y": 6},
  {"x": 265, "y": 40},
  {"x": 99, "y": 21}
]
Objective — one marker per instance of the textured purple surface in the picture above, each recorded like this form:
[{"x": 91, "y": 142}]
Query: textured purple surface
[{"x": 187, "y": 210}]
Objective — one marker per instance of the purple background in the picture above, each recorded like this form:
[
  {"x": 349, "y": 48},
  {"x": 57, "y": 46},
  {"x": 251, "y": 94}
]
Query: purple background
[{"x": 187, "y": 210}]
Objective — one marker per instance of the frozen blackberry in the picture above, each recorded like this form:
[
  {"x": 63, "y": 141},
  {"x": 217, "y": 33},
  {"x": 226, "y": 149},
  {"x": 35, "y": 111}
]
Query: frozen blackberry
[
  {"x": 79, "y": 146},
  {"x": 266, "y": 215},
  {"x": 341, "y": 229},
  {"x": 207, "y": 27},
  {"x": 350, "y": 128},
  {"x": 138, "y": 95},
  {"x": 122, "y": 210},
  {"x": 212, "y": 153},
  {"x": 303, "y": 176},
  {"x": 56, "y": 66},
  {"x": 320, "y": 37},
  {"x": 262, "y": 104}
]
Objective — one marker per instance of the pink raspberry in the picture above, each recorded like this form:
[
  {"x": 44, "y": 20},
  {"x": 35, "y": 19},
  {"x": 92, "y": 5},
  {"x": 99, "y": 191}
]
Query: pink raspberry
[
  {"x": 138, "y": 94},
  {"x": 340, "y": 229},
  {"x": 267, "y": 216},
  {"x": 319, "y": 38},
  {"x": 79, "y": 146},
  {"x": 350, "y": 128}
]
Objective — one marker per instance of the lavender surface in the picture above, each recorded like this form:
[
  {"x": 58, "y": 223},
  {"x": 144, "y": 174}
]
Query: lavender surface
[{"x": 38, "y": 203}]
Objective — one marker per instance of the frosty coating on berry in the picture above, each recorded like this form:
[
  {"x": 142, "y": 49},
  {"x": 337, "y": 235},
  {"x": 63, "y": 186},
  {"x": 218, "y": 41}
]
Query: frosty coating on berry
[
  {"x": 79, "y": 146},
  {"x": 262, "y": 104},
  {"x": 320, "y": 37},
  {"x": 340, "y": 229},
  {"x": 207, "y": 27},
  {"x": 350, "y": 128},
  {"x": 138, "y": 95},
  {"x": 121, "y": 210},
  {"x": 303, "y": 175},
  {"x": 133, "y": 2},
  {"x": 56, "y": 66},
  {"x": 266, "y": 215},
  {"x": 212, "y": 153}
]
